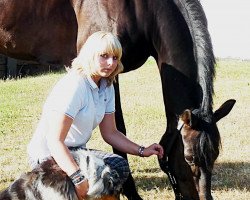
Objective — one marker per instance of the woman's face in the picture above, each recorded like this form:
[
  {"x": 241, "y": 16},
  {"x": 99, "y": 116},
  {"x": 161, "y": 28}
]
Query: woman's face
[{"x": 106, "y": 64}]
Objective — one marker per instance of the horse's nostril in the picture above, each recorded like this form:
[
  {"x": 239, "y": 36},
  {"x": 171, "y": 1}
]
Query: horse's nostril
[{"x": 189, "y": 158}]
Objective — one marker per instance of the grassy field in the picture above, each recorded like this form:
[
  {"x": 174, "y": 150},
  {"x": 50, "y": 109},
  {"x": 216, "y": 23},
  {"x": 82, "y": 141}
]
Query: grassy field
[{"x": 20, "y": 108}]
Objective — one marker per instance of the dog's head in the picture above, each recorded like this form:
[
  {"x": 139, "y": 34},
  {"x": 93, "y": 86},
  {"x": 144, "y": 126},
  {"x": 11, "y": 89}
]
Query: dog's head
[{"x": 102, "y": 180}]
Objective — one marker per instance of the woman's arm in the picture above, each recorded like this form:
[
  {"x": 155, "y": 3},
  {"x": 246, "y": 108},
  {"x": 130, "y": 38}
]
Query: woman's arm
[
  {"x": 59, "y": 125},
  {"x": 120, "y": 142}
]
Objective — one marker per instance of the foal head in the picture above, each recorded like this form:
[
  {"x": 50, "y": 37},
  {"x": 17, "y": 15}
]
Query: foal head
[{"x": 201, "y": 141}]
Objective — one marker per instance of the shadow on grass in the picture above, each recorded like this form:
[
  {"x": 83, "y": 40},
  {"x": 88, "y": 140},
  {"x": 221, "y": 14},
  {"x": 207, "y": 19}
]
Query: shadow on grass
[
  {"x": 152, "y": 182},
  {"x": 151, "y": 178},
  {"x": 226, "y": 176},
  {"x": 231, "y": 175}
]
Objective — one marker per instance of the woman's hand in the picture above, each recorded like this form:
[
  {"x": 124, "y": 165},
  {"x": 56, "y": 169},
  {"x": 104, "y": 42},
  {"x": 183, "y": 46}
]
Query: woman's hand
[
  {"x": 154, "y": 149},
  {"x": 82, "y": 189}
]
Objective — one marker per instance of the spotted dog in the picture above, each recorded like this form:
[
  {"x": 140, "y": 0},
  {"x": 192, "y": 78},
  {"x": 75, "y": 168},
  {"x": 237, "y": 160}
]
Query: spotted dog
[{"x": 48, "y": 182}]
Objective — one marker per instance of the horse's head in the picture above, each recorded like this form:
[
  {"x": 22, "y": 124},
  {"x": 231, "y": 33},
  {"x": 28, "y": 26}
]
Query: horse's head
[{"x": 201, "y": 141}]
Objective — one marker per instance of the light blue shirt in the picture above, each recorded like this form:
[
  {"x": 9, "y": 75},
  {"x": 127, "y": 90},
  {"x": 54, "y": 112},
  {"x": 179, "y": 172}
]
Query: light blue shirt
[{"x": 79, "y": 98}]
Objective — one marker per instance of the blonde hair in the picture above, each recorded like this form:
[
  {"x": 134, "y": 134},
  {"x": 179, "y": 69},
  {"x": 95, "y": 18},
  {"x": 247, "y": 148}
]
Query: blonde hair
[{"x": 98, "y": 43}]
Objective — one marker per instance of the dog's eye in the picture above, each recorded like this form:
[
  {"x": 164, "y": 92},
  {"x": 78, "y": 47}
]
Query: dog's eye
[{"x": 115, "y": 175}]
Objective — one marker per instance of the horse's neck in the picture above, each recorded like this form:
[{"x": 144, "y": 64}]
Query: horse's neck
[{"x": 191, "y": 54}]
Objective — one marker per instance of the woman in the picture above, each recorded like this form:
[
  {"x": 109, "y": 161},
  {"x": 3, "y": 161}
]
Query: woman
[{"x": 83, "y": 99}]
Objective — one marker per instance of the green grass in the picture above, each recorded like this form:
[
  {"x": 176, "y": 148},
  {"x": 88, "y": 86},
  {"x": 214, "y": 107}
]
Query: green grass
[{"x": 21, "y": 104}]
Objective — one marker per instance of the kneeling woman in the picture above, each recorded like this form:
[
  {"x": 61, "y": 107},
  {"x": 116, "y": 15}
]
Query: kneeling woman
[{"x": 83, "y": 99}]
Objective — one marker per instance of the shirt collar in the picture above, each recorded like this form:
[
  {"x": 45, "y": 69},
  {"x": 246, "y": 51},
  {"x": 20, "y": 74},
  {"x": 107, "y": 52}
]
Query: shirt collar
[{"x": 93, "y": 86}]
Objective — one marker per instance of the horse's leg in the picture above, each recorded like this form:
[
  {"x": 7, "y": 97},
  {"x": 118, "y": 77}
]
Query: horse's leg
[
  {"x": 129, "y": 188},
  {"x": 176, "y": 99}
]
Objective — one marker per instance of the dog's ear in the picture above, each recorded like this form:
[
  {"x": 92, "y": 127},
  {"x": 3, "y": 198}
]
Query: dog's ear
[
  {"x": 107, "y": 179},
  {"x": 106, "y": 172},
  {"x": 98, "y": 180}
]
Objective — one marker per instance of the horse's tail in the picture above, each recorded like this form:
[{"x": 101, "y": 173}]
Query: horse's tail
[{"x": 195, "y": 18}]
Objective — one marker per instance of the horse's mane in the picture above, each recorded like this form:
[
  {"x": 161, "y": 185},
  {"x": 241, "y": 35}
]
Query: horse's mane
[
  {"x": 208, "y": 145},
  {"x": 192, "y": 11},
  {"x": 194, "y": 15}
]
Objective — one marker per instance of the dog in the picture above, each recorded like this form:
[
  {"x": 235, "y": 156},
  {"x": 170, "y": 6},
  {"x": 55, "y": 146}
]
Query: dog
[{"x": 48, "y": 182}]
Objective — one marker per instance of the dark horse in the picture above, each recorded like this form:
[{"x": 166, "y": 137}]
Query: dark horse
[{"x": 174, "y": 32}]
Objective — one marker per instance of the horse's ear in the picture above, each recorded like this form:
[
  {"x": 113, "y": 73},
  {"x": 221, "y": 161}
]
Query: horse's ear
[
  {"x": 186, "y": 117},
  {"x": 224, "y": 109}
]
